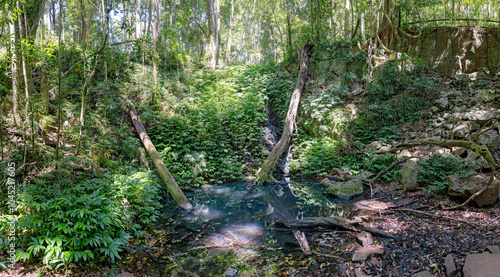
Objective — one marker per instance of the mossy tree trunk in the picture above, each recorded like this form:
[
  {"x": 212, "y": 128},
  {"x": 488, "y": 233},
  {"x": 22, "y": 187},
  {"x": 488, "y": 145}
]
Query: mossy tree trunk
[
  {"x": 265, "y": 173},
  {"x": 165, "y": 175}
]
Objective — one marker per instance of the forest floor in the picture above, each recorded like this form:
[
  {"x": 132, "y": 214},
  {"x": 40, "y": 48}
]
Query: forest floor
[{"x": 425, "y": 235}]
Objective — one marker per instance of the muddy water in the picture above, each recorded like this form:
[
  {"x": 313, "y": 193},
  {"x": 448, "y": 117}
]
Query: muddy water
[{"x": 247, "y": 219}]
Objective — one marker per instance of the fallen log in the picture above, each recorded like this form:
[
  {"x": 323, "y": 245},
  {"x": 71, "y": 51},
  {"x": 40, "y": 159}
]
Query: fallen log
[
  {"x": 338, "y": 222},
  {"x": 165, "y": 175}
]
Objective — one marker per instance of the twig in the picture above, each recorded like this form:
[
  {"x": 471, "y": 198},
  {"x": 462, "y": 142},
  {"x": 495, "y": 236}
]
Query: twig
[
  {"x": 438, "y": 216},
  {"x": 327, "y": 255}
]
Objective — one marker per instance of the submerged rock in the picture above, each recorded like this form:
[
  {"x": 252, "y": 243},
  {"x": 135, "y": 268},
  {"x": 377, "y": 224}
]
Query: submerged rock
[{"x": 347, "y": 189}]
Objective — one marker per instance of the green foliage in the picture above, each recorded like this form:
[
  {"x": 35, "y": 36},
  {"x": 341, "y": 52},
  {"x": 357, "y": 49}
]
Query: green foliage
[
  {"x": 85, "y": 222},
  {"x": 395, "y": 97},
  {"x": 209, "y": 133},
  {"x": 436, "y": 168}
]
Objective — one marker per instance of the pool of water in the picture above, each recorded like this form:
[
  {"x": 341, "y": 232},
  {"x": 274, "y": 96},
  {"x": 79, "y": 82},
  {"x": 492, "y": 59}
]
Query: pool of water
[{"x": 247, "y": 218}]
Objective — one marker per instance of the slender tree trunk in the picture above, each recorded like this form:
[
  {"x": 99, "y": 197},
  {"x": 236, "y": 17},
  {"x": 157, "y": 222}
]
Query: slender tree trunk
[
  {"x": 346, "y": 23},
  {"x": 138, "y": 21},
  {"x": 15, "y": 81},
  {"x": 230, "y": 35},
  {"x": 59, "y": 110},
  {"x": 156, "y": 30},
  {"x": 265, "y": 173},
  {"x": 165, "y": 175},
  {"x": 363, "y": 26}
]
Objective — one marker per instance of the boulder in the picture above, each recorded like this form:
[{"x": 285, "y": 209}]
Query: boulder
[
  {"x": 441, "y": 103},
  {"x": 491, "y": 139},
  {"x": 480, "y": 116},
  {"x": 464, "y": 188},
  {"x": 346, "y": 190},
  {"x": 494, "y": 249},
  {"x": 449, "y": 263},
  {"x": 461, "y": 80},
  {"x": 409, "y": 175},
  {"x": 357, "y": 91},
  {"x": 363, "y": 253},
  {"x": 482, "y": 265}
]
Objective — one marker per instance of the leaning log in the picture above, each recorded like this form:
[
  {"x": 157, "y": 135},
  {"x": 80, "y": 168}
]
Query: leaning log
[
  {"x": 165, "y": 175},
  {"x": 265, "y": 173}
]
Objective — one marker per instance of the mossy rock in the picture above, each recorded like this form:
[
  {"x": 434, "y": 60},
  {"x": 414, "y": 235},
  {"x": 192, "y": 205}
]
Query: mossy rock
[{"x": 346, "y": 190}]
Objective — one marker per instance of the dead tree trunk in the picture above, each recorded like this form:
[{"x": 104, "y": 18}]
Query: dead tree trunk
[
  {"x": 265, "y": 173},
  {"x": 165, "y": 175}
]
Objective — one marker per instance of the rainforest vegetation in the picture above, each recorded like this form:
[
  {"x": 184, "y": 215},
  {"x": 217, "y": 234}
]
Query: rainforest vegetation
[{"x": 117, "y": 117}]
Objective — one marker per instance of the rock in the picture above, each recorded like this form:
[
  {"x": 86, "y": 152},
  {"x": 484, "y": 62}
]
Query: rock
[
  {"x": 231, "y": 272},
  {"x": 467, "y": 187},
  {"x": 357, "y": 91},
  {"x": 449, "y": 263},
  {"x": 409, "y": 175},
  {"x": 482, "y": 265},
  {"x": 478, "y": 76},
  {"x": 404, "y": 154},
  {"x": 326, "y": 182},
  {"x": 461, "y": 80},
  {"x": 363, "y": 253},
  {"x": 462, "y": 130},
  {"x": 365, "y": 238},
  {"x": 480, "y": 116},
  {"x": 366, "y": 174},
  {"x": 459, "y": 151},
  {"x": 441, "y": 103},
  {"x": 347, "y": 189},
  {"x": 435, "y": 109},
  {"x": 125, "y": 274},
  {"x": 494, "y": 249},
  {"x": 491, "y": 139},
  {"x": 423, "y": 274},
  {"x": 359, "y": 273}
]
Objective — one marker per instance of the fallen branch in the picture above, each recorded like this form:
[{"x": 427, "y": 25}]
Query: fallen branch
[
  {"x": 327, "y": 255},
  {"x": 437, "y": 216}
]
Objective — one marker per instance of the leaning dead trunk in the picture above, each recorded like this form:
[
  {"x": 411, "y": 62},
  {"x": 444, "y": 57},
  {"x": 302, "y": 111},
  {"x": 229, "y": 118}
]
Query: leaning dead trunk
[
  {"x": 265, "y": 173},
  {"x": 165, "y": 175}
]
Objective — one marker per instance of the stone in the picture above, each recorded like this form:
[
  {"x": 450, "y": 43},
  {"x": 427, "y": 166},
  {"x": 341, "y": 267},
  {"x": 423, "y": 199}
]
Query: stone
[
  {"x": 125, "y": 274},
  {"x": 404, "y": 154},
  {"x": 459, "y": 151},
  {"x": 449, "y": 264},
  {"x": 494, "y": 249},
  {"x": 366, "y": 174},
  {"x": 461, "y": 80},
  {"x": 424, "y": 273},
  {"x": 480, "y": 116},
  {"x": 464, "y": 188},
  {"x": 435, "y": 109},
  {"x": 441, "y": 103},
  {"x": 326, "y": 182},
  {"x": 363, "y": 253},
  {"x": 409, "y": 175},
  {"x": 357, "y": 91},
  {"x": 462, "y": 130},
  {"x": 359, "y": 273},
  {"x": 491, "y": 139},
  {"x": 346, "y": 190},
  {"x": 365, "y": 238},
  {"x": 478, "y": 76},
  {"x": 482, "y": 265},
  {"x": 231, "y": 272}
]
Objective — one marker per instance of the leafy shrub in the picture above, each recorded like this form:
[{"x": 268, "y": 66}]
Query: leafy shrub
[
  {"x": 396, "y": 96},
  {"x": 210, "y": 133},
  {"x": 86, "y": 222},
  {"x": 436, "y": 168}
]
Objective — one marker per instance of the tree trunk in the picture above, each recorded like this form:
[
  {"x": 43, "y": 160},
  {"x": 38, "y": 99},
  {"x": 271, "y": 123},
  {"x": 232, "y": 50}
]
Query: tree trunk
[
  {"x": 265, "y": 173},
  {"x": 138, "y": 21},
  {"x": 346, "y": 23},
  {"x": 13, "y": 67},
  {"x": 230, "y": 36},
  {"x": 156, "y": 30},
  {"x": 44, "y": 90},
  {"x": 165, "y": 175}
]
